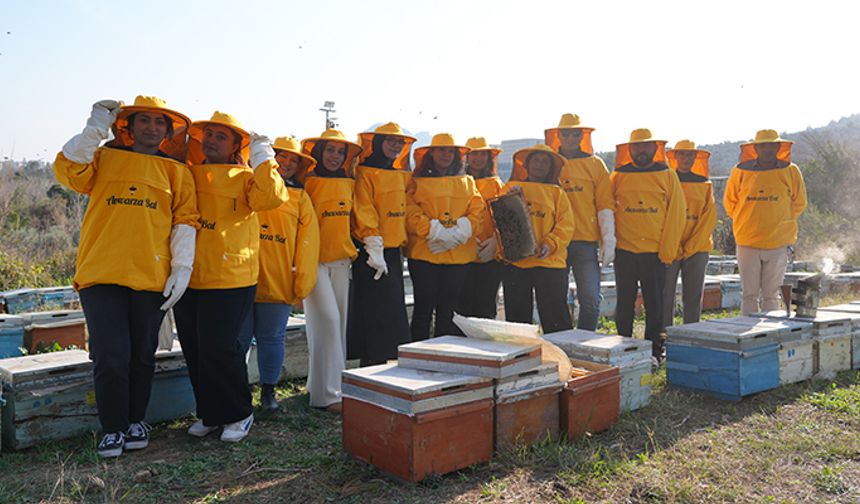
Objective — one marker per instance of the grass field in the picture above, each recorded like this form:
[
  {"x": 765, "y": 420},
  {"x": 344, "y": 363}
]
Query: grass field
[{"x": 799, "y": 443}]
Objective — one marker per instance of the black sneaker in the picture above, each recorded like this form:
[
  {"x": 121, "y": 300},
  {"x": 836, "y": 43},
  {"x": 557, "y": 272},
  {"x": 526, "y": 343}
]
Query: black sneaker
[
  {"x": 111, "y": 445},
  {"x": 137, "y": 436},
  {"x": 267, "y": 398}
]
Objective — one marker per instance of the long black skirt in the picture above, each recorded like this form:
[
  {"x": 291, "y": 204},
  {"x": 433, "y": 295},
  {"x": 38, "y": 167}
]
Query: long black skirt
[{"x": 377, "y": 310}]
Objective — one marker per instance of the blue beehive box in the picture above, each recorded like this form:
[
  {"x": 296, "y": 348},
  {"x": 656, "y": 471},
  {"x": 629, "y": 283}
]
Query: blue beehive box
[
  {"x": 54, "y": 297},
  {"x": 728, "y": 361},
  {"x": 21, "y": 300},
  {"x": 11, "y": 335}
]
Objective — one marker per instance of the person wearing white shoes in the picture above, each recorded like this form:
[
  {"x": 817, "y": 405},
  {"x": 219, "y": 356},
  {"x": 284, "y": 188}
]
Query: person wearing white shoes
[
  {"x": 331, "y": 187},
  {"x": 211, "y": 316},
  {"x": 136, "y": 249}
]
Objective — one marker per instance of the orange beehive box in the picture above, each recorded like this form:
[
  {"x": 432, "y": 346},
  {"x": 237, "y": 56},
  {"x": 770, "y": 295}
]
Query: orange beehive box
[
  {"x": 590, "y": 401},
  {"x": 527, "y": 407},
  {"x": 411, "y": 423},
  {"x": 712, "y": 297},
  {"x": 64, "y": 332}
]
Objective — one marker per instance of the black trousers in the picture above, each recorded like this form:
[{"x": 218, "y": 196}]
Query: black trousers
[
  {"x": 123, "y": 326},
  {"x": 633, "y": 271},
  {"x": 210, "y": 326},
  {"x": 550, "y": 288},
  {"x": 481, "y": 290},
  {"x": 436, "y": 288},
  {"x": 377, "y": 310}
]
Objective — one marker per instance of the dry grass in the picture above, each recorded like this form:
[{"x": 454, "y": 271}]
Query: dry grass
[{"x": 799, "y": 443}]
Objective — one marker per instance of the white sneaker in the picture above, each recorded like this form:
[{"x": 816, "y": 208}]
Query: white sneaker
[
  {"x": 197, "y": 429},
  {"x": 237, "y": 431}
]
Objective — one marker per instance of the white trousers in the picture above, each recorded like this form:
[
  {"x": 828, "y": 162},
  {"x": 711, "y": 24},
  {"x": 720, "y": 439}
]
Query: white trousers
[
  {"x": 325, "y": 322},
  {"x": 762, "y": 274}
]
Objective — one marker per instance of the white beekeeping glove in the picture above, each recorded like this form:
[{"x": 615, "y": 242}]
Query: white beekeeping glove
[
  {"x": 261, "y": 150},
  {"x": 81, "y": 147},
  {"x": 606, "y": 219},
  {"x": 182, "y": 242},
  {"x": 374, "y": 246}
]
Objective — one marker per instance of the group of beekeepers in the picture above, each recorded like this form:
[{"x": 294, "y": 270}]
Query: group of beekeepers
[{"x": 230, "y": 230}]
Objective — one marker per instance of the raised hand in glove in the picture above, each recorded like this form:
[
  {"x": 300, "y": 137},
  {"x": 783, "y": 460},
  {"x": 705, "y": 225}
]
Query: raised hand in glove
[
  {"x": 261, "y": 150},
  {"x": 82, "y": 147}
]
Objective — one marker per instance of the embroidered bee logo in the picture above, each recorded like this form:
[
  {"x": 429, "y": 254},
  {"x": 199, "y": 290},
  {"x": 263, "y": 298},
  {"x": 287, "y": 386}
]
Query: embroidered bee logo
[{"x": 132, "y": 189}]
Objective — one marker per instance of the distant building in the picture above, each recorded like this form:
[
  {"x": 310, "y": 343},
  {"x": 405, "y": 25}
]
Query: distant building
[{"x": 506, "y": 163}]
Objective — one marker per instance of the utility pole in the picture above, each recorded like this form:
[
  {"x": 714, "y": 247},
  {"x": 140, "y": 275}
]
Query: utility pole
[{"x": 328, "y": 108}]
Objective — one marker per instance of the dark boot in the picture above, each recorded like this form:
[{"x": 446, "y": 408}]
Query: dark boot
[{"x": 267, "y": 398}]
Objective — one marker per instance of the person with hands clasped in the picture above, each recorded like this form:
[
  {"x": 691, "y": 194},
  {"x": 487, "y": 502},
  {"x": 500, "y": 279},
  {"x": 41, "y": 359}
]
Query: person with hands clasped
[
  {"x": 377, "y": 313},
  {"x": 136, "y": 249},
  {"x": 331, "y": 187},
  {"x": 289, "y": 257},
  {"x": 536, "y": 174},
  {"x": 444, "y": 212},
  {"x": 585, "y": 180},
  {"x": 211, "y": 317},
  {"x": 484, "y": 276}
]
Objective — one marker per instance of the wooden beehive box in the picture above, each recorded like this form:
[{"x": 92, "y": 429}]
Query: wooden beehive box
[
  {"x": 796, "y": 346},
  {"x": 712, "y": 295},
  {"x": 832, "y": 334},
  {"x": 728, "y": 361},
  {"x": 853, "y": 311},
  {"x": 20, "y": 300},
  {"x": 470, "y": 356},
  {"x": 55, "y": 297},
  {"x": 590, "y": 400},
  {"x": 526, "y": 408},
  {"x": 64, "y": 332},
  {"x": 11, "y": 335},
  {"x": 48, "y": 397},
  {"x": 730, "y": 291},
  {"x": 631, "y": 356},
  {"x": 412, "y": 423}
]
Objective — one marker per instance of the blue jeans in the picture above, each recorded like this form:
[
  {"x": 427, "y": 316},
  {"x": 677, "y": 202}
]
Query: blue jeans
[
  {"x": 582, "y": 257},
  {"x": 270, "y": 325}
]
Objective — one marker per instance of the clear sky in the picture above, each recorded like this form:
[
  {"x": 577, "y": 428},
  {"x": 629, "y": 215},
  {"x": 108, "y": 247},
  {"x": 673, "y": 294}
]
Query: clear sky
[{"x": 710, "y": 71}]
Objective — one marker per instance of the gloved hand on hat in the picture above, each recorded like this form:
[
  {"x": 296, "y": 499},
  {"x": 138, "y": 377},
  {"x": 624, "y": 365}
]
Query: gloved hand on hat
[
  {"x": 487, "y": 249},
  {"x": 374, "y": 246},
  {"x": 82, "y": 147},
  {"x": 261, "y": 150},
  {"x": 182, "y": 244},
  {"x": 606, "y": 219}
]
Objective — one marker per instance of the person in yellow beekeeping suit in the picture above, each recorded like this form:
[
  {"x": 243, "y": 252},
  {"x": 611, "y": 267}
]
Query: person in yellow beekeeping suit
[
  {"x": 650, "y": 215},
  {"x": 585, "y": 180},
  {"x": 136, "y": 248},
  {"x": 213, "y": 319},
  {"x": 444, "y": 212},
  {"x": 377, "y": 315},
  {"x": 331, "y": 186},
  {"x": 764, "y": 197},
  {"x": 536, "y": 173},
  {"x": 691, "y": 165},
  {"x": 289, "y": 257},
  {"x": 484, "y": 276}
]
